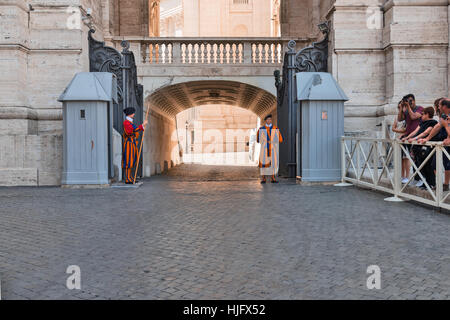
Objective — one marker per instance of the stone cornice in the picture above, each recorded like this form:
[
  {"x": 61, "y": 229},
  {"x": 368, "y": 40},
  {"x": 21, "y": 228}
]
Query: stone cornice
[
  {"x": 28, "y": 50},
  {"x": 348, "y": 5},
  {"x": 391, "y": 46},
  {"x": 22, "y": 4},
  {"x": 20, "y": 47},
  {"x": 416, "y": 3},
  {"x": 22, "y": 112}
]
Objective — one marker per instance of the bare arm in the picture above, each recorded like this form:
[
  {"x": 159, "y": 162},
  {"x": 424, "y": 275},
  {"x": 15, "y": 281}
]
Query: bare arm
[
  {"x": 413, "y": 115},
  {"x": 423, "y": 134},
  {"x": 433, "y": 132},
  {"x": 396, "y": 129},
  {"x": 403, "y": 130},
  {"x": 412, "y": 134}
]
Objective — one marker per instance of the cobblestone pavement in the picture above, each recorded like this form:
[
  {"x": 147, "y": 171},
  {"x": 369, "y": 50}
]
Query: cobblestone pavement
[{"x": 189, "y": 238}]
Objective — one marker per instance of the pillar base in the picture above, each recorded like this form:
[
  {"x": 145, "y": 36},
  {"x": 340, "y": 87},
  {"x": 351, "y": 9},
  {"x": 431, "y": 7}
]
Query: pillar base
[
  {"x": 343, "y": 184},
  {"x": 394, "y": 199}
]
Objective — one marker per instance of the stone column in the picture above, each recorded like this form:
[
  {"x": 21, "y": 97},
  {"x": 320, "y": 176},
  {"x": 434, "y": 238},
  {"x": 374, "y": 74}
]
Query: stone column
[
  {"x": 382, "y": 50},
  {"x": 17, "y": 119},
  {"x": 357, "y": 59},
  {"x": 415, "y": 41},
  {"x": 14, "y": 50}
]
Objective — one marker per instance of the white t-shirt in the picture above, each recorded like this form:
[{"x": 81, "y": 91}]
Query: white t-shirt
[{"x": 400, "y": 125}]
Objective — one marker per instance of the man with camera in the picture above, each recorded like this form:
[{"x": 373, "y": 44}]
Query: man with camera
[
  {"x": 441, "y": 132},
  {"x": 411, "y": 114}
]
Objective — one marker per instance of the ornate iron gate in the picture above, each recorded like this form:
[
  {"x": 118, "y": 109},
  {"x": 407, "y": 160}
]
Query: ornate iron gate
[
  {"x": 130, "y": 94},
  {"x": 310, "y": 59}
]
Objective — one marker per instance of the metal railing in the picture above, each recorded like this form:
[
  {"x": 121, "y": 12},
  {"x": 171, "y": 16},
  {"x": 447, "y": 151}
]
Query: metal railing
[
  {"x": 377, "y": 164},
  {"x": 212, "y": 51}
]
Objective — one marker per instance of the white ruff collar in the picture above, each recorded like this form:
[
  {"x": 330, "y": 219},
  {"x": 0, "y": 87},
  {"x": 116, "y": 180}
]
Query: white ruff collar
[{"x": 130, "y": 119}]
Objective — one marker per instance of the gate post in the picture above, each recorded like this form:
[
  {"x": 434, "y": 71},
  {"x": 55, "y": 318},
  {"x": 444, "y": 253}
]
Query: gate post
[
  {"x": 397, "y": 172},
  {"x": 439, "y": 173},
  {"x": 287, "y": 118},
  {"x": 343, "y": 166}
]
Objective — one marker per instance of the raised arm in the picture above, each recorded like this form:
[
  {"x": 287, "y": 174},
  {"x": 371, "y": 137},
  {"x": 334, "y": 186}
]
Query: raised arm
[{"x": 414, "y": 115}]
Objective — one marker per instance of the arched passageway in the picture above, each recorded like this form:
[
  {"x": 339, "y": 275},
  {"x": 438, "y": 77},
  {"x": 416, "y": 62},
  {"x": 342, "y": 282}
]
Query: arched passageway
[{"x": 165, "y": 142}]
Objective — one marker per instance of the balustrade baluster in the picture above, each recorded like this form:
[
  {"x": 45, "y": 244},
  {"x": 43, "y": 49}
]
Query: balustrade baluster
[
  {"x": 183, "y": 53},
  {"x": 196, "y": 47},
  {"x": 215, "y": 53},
  {"x": 221, "y": 53},
  {"x": 266, "y": 53},
  {"x": 144, "y": 47},
  {"x": 189, "y": 53},
  {"x": 260, "y": 53},
  {"x": 240, "y": 53},
  {"x": 272, "y": 53},
  {"x": 152, "y": 53},
  {"x": 169, "y": 53},
  {"x": 202, "y": 53},
  {"x": 176, "y": 52},
  {"x": 279, "y": 53},
  {"x": 208, "y": 53},
  {"x": 234, "y": 49},
  {"x": 163, "y": 53},
  {"x": 158, "y": 53}
]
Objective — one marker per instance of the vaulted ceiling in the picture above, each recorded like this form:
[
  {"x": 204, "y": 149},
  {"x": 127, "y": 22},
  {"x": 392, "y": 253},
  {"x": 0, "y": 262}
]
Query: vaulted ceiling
[{"x": 176, "y": 98}]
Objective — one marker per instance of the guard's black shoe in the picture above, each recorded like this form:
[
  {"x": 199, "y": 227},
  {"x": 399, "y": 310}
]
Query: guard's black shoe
[
  {"x": 274, "y": 181},
  {"x": 263, "y": 181}
]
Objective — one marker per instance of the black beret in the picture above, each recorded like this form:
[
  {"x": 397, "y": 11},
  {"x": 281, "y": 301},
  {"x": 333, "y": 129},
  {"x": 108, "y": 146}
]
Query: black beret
[
  {"x": 129, "y": 111},
  {"x": 267, "y": 117}
]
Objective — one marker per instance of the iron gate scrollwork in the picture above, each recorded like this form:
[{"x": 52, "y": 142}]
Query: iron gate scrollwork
[
  {"x": 130, "y": 93},
  {"x": 310, "y": 59}
]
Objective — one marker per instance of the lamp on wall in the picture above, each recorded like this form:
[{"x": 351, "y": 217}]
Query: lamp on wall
[
  {"x": 324, "y": 27},
  {"x": 88, "y": 19}
]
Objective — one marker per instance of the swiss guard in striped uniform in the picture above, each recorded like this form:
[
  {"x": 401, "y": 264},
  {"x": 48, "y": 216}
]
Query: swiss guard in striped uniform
[
  {"x": 269, "y": 137},
  {"x": 130, "y": 148}
]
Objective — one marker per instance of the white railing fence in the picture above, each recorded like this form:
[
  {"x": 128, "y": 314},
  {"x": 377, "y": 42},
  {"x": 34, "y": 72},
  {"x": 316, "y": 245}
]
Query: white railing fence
[{"x": 377, "y": 164}]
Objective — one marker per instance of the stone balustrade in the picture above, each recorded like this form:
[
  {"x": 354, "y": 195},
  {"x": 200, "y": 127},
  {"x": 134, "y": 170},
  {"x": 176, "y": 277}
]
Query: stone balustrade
[{"x": 206, "y": 51}]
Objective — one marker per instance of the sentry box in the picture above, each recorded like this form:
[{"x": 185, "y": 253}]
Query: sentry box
[
  {"x": 87, "y": 120},
  {"x": 320, "y": 123}
]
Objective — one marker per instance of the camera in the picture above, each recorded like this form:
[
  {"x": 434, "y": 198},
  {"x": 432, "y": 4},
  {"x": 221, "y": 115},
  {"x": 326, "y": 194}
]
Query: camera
[{"x": 444, "y": 116}]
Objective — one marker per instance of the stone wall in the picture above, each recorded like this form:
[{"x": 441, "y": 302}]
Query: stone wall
[
  {"x": 161, "y": 150},
  {"x": 132, "y": 17},
  {"x": 381, "y": 50},
  {"x": 299, "y": 19},
  {"x": 42, "y": 45}
]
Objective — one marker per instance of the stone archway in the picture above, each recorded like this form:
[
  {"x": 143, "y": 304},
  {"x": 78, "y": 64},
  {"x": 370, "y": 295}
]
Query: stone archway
[{"x": 161, "y": 148}]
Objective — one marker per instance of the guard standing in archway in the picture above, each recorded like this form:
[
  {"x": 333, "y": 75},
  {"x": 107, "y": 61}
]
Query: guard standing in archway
[
  {"x": 269, "y": 137},
  {"x": 130, "y": 149}
]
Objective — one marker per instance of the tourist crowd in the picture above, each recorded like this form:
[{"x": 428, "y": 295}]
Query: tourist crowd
[{"x": 415, "y": 126}]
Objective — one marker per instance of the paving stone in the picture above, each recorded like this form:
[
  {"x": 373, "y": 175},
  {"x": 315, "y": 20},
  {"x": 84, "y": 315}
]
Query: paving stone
[{"x": 216, "y": 233}]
